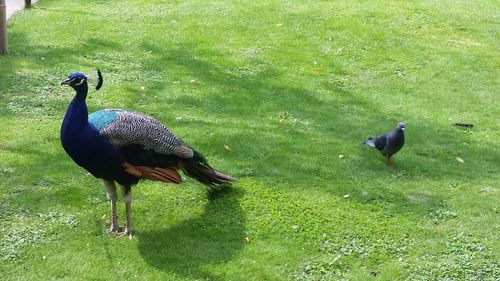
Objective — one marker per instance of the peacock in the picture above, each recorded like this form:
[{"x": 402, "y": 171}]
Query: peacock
[
  {"x": 390, "y": 143},
  {"x": 124, "y": 147}
]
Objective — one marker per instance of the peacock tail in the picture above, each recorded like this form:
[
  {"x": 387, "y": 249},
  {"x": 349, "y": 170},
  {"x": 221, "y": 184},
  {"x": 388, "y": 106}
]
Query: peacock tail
[
  {"x": 126, "y": 146},
  {"x": 153, "y": 151}
]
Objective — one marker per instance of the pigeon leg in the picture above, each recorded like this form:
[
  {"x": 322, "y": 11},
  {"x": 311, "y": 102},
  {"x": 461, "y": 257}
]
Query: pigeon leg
[
  {"x": 111, "y": 192},
  {"x": 127, "y": 197},
  {"x": 389, "y": 160}
]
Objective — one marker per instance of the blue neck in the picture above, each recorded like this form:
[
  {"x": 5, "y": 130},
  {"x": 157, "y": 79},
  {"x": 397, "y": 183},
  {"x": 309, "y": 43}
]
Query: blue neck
[{"x": 77, "y": 112}]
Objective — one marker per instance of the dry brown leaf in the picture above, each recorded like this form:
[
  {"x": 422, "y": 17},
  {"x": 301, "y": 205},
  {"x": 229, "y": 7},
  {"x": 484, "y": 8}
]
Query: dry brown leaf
[
  {"x": 227, "y": 147},
  {"x": 460, "y": 159}
]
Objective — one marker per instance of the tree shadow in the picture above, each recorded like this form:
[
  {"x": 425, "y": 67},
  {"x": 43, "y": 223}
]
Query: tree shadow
[
  {"x": 340, "y": 120},
  {"x": 263, "y": 94},
  {"x": 215, "y": 237}
]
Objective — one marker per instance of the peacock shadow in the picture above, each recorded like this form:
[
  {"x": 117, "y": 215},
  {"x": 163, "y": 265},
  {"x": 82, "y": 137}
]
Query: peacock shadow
[{"x": 215, "y": 237}]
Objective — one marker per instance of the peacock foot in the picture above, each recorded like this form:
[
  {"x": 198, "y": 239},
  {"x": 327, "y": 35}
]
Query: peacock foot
[
  {"x": 127, "y": 232},
  {"x": 113, "y": 229}
]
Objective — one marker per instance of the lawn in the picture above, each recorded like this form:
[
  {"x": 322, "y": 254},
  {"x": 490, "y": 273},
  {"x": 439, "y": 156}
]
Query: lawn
[{"x": 272, "y": 92}]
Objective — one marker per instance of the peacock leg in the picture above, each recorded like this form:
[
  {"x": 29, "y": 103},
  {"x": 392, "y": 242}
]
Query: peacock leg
[
  {"x": 127, "y": 197},
  {"x": 389, "y": 160},
  {"x": 111, "y": 192}
]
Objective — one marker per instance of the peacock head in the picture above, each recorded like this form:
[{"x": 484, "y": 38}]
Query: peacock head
[{"x": 78, "y": 80}]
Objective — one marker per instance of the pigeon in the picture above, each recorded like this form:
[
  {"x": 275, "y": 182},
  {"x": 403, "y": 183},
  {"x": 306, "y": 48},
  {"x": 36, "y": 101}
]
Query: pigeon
[{"x": 390, "y": 143}]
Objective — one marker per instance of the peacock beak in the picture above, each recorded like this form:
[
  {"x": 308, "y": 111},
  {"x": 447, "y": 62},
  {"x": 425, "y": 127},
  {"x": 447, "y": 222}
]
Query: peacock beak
[{"x": 66, "y": 82}]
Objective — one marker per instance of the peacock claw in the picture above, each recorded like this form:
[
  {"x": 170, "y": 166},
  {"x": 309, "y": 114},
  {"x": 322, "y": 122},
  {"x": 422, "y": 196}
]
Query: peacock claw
[
  {"x": 113, "y": 229},
  {"x": 124, "y": 233},
  {"x": 128, "y": 232}
]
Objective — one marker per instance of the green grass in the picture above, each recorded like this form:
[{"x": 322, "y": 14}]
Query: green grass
[{"x": 288, "y": 86}]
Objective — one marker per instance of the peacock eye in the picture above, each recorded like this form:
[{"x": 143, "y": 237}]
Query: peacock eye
[{"x": 78, "y": 81}]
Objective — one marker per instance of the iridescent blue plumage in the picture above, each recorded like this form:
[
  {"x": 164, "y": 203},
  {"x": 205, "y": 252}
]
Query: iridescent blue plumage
[
  {"x": 125, "y": 146},
  {"x": 77, "y": 75},
  {"x": 102, "y": 118},
  {"x": 84, "y": 144}
]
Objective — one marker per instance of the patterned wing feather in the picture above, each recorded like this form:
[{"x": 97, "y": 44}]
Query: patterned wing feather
[
  {"x": 395, "y": 141},
  {"x": 124, "y": 128},
  {"x": 379, "y": 142}
]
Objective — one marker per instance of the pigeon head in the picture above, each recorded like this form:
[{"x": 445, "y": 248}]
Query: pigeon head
[
  {"x": 401, "y": 126},
  {"x": 78, "y": 80}
]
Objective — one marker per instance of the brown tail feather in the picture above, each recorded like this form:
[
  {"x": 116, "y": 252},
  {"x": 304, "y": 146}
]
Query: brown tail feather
[
  {"x": 158, "y": 176},
  {"x": 131, "y": 169},
  {"x": 169, "y": 175}
]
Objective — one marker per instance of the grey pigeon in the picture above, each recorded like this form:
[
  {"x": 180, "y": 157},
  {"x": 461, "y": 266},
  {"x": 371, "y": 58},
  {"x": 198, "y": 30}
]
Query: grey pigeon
[{"x": 390, "y": 143}]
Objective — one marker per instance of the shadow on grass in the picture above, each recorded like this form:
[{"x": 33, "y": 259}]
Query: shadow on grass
[
  {"x": 340, "y": 122},
  {"x": 32, "y": 72},
  {"x": 255, "y": 92},
  {"x": 213, "y": 238}
]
